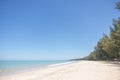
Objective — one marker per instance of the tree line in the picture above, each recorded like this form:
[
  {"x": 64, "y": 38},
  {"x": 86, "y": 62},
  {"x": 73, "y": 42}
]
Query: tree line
[{"x": 108, "y": 47}]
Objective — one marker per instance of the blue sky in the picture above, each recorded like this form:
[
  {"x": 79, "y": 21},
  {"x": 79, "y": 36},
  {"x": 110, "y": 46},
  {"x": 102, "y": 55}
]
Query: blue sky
[{"x": 52, "y": 29}]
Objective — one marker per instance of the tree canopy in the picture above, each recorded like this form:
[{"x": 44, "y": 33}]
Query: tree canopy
[
  {"x": 118, "y": 5},
  {"x": 108, "y": 47}
]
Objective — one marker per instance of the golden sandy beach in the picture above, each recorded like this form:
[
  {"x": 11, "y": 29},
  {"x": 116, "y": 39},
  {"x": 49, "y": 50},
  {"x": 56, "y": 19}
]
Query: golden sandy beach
[{"x": 81, "y": 70}]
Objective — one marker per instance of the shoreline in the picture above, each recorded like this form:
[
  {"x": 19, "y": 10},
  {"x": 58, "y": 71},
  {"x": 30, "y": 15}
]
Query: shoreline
[
  {"x": 8, "y": 72},
  {"x": 78, "y": 70}
]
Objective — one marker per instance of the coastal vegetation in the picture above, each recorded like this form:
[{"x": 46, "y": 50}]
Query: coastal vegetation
[{"x": 108, "y": 47}]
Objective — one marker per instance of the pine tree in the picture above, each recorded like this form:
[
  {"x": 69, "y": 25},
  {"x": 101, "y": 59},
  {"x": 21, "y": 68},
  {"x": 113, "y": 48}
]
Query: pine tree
[
  {"x": 115, "y": 38},
  {"x": 108, "y": 47},
  {"x": 118, "y": 5}
]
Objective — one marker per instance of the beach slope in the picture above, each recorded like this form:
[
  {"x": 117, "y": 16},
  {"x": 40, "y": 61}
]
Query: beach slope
[{"x": 80, "y": 70}]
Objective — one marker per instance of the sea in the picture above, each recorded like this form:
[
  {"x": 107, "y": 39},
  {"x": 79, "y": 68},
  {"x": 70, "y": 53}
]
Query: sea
[{"x": 8, "y": 66}]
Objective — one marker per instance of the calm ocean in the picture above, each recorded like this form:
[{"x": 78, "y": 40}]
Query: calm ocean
[{"x": 27, "y": 64}]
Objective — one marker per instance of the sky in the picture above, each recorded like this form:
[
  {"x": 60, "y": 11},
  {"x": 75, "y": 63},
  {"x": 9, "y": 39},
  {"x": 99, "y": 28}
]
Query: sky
[{"x": 53, "y": 29}]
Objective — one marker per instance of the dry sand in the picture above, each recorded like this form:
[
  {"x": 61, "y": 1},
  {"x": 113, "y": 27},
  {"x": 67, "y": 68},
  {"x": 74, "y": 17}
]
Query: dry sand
[{"x": 81, "y": 70}]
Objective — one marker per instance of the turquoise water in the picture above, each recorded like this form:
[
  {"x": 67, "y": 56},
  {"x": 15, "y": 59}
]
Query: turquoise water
[{"x": 27, "y": 64}]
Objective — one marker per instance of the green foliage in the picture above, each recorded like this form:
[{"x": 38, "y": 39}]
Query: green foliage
[
  {"x": 108, "y": 47},
  {"x": 115, "y": 38}
]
